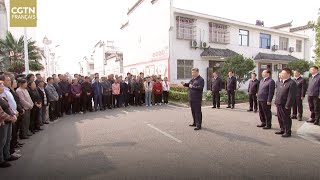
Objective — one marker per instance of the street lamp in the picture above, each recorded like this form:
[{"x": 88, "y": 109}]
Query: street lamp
[{"x": 46, "y": 43}]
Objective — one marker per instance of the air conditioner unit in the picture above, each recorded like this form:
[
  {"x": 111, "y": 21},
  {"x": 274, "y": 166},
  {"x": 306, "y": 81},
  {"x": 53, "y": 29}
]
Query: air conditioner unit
[
  {"x": 291, "y": 49},
  {"x": 275, "y": 47},
  {"x": 204, "y": 45},
  {"x": 279, "y": 66},
  {"x": 194, "y": 44}
]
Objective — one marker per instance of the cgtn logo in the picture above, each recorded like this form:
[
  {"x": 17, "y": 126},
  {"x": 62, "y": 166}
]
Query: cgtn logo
[{"x": 23, "y": 13}]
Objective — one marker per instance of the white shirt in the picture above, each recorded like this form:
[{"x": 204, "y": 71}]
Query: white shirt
[
  {"x": 11, "y": 101},
  {"x": 165, "y": 87}
]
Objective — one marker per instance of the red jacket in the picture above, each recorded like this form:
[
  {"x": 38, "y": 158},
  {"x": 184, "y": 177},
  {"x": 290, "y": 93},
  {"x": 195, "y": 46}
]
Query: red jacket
[{"x": 157, "y": 88}]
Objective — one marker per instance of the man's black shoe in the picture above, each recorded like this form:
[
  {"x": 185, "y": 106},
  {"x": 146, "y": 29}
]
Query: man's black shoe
[
  {"x": 197, "y": 128},
  {"x": 228, "y": 107},
  {"x": 293, "y": 117},
  {"x": 218, "y": 107},
  {"x": 12, "y": 158},
  {"x": 255, "y": 110},
  {"x": 267, "y": 127},
  {"x": 192, "y": 125},
  {"x": 249, "y": 110},
  {"x": 24, "y": 137},
  {"x": 279, "y": 132},
  {"x": 311, "y": 120},
  {"x": 5, "y": 165},
  {"x": 213, "y": 107},
  {"x": 261, "y": 125},
  {"x": 232, "y": 107}
]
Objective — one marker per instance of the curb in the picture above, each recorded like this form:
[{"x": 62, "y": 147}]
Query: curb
[{"x": 309, "y": 132}]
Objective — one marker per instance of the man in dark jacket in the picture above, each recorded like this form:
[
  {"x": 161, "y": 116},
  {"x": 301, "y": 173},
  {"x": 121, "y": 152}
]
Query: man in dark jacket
[
  {"x": 86, "y": 96},
  {"x": 97, "y": 94},
  {"x": 252, "y": 91},
  {"x": 286, "y": 95},
  {"x": 265, "y": 96},
  {"x": 59, "y": 91},
  {"x": 231, "y": 88},
  {"x": 216, "y": 86},
  {"x": 107, "y": 92},
  {"x": 301, "y": 93},
  {"x": 66, "y": 91},
  {"x": 123, "y": 92},
  {"x": 313, "y": 95},
  {"x": 195, "y": 86}
]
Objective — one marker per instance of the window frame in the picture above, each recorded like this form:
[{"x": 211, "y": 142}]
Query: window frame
[
  {"x": 186, "y": 30},
  {"x": 241, "y": 37},
  {"x": 298, "y": 49},
  {"x": 219, "y": 33},
  {"x": 185, "y": 69},
  {"x": 281, "y": 47},
  {"x": 268, "y": 42}
]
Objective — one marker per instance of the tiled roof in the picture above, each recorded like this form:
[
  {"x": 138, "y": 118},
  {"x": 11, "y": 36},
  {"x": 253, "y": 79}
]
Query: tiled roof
[
  {"x": 214, "y": 52},
  {"x": 289, "y": 24},
  {"x": 308, "y": 26},
  {"x": 265, "y": 56}
]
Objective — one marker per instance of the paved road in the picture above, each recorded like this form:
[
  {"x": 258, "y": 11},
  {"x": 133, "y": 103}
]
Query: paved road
[{"x": 157, "y": 143}]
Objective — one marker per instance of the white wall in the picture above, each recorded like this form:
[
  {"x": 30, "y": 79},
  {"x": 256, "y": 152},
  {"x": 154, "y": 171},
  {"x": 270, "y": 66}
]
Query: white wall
[
  {"x": 112, "y": 67},
  {"x": 147, "y": 39},
  {"x": 98, "y": 59},
  {"x": 181, "y": 48}
]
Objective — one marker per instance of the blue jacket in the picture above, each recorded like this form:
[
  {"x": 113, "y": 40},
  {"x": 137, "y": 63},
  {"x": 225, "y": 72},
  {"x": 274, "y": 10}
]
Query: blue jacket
[
  {"x": 266, "y": 90},
  {"x": 195, "y": 93},
  {"x": 97, "y": 89}
]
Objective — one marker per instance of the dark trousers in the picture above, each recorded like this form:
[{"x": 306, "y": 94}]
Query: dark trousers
[
  {"x": 76, "y": 105},
  {"x": 131, "y": 99},
  {"x": 52, "y": 110},
  {"x": 66, "y": 105},
  {"x": 86, "y": 103},
  {"x": 284, "y": 119},
  {"x": 158, "y": 98},
  {"x": 253, "y": 101},
  {"x": 215, "y": 98},
  {"x": 34, "y": 119},
  {"x": 58, "y": 107},
  {"x": 314, "y": 105},
  {"x": 116, "y": 101},
  {"x": 97, "y": 101},
  {"x": 137, "y": 98},
  {"x": 142, "y": 95},
  {"x": 231, "y": 96},
  {"x": 165, "y": 97},
  {"x": 297, "y": 107},
  {"x": 265, "y": 113},
  {"x": 15, "y": 130},
  {"x": 196, "y": 113}
]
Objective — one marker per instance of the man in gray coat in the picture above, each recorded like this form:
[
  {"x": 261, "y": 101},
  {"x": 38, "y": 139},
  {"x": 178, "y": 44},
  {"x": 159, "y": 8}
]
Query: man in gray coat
[
  {"x": 313, "y": 95},
  {"x": 53, "y": 98}
]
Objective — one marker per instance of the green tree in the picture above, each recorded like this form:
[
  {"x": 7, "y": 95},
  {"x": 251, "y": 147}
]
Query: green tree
[
  {"x": 12, "y": 55},
  {"x": 241, "y": 66},
  {"x": 302, "y": 65},
  {"x": 317, "y": 46}
]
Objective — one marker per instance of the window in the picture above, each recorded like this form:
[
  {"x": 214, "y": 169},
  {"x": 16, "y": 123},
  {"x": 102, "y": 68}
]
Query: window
[
  {"x": 218, "y": 33},
  {"x": 299, "y": 45},
  {"x": 283, "y": 43},
  {"x": 265, "y": 40},
  {"x": 186, "y": 28},
  {"x": 184, "y": 68},
  {"x": 91, "y": 66},
  {"x": 243, "y": 37}
]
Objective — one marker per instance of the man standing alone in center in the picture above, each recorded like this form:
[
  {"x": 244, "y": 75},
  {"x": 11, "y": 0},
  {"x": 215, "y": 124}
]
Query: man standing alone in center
[
  {"x": 265, "y": 96},
  {"x": 231, "y": 88},
  {"x": 195, "y": 86},
  {"x": 252, "y": 91}
]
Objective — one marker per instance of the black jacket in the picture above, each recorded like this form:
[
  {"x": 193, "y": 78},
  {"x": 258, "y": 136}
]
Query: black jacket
[
  {"x": 253, "y": 86},
  {"x": 286, "y": 93},
  {"x": 231, "y": 84},
  {"x": 216, "y": 84},
  {"x": 35, "y": 96},
  {"x": 195, "y": 93},
  {"x": 266, "y": 90},
  {"x": 301, "y": 86},
  {"x": 314, "y": 86},
  {"x": 124, "y": 88},
  {"x": 17, "y": 99},
  {"x": 41, "y": 94}
]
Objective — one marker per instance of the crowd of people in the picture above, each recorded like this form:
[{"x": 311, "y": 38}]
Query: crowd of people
[
  {"x": 29, "y": 102},
  {"x": 289, "y": 95}
]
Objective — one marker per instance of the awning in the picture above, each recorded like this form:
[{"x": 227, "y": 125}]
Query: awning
[
  {"x": 275, "y": 57},
  {"x": 213, "y": 52}
]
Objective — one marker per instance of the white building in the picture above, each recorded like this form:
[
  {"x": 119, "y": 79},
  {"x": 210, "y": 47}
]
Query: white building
[
  {"x": 102, "y": 58},
  {"x": 170, "y": 41}
]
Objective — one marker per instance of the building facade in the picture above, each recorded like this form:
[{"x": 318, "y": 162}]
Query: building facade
[{"x": 171, "y": 41}]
